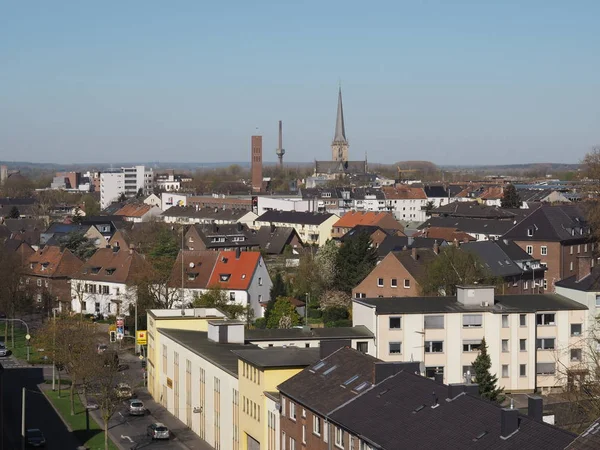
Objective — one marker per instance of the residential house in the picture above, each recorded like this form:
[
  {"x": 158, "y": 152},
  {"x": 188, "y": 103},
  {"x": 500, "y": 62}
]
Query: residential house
[
  {"x": 492, "y": 196},
  {"x": 220, "y": 237},
  {"x": 535, "y": 196},
  {"x": 480, "y": 229},
  {"x": 556, "y": 235},
  {"x": 47, "y": 275},
  {"x": 105, "y": 284},
  {"x": 453, "y": 235},
  {"x": 59, "y": 231},
  {"x": 242, "y": 275},
  {"x": 367, "y": 199},
  {"x": 153, "y": 200},
  {"x": 406, "y": 202},
  {"x": 136, "y": 212},
  {"x": 584, "y": 285},
  {"x": 520, "y": 272},
  {"x": 477, "y": 210},
  {"x": 193, "y": 215},
  {"x": 313, "y": 228},
  {"x": 399, "y": 274},
  {"x": 106, "y": 225},
  {"x": 437, "y": 195},
  {"x": 399, "y": 243},
  {"x": 406, "y": 410},
  {"x": 275, "y": 240},
  {"x": 376, "y": 234},
  {"x": 531, "y": 339},
  {"x": 21, "y": 248},
  {"x": 351, "y": 219}
]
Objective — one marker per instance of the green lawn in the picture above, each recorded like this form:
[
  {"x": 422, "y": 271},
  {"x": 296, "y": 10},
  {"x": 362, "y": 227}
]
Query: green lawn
[
  {"x": 20, "y": 349},
  {"x": 92, "y": 439}
]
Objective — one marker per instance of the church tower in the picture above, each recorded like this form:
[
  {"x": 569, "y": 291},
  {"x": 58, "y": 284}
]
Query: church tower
[{"x": 339, "y": 146}]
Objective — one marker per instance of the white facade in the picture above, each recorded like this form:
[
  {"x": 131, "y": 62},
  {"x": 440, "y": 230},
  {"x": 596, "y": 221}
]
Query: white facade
[
  {"x": 209, "y": 406},
  {"x": 112, "y": 185},
  {"x": 153, "y": 200},
  {"x": 357, "y": 344},
  {"x": 512, "y": 338},
  {"x": 411, "y": 209},
  {"x": 169, "y": 199},
  {"x": 108, "y": 299},
  {"x": 284, "y": 204},
  {"x": 168, "y": 183}
]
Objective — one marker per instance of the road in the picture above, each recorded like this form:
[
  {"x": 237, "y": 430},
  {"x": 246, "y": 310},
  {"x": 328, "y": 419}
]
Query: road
[{"x": 39, "y": 413}]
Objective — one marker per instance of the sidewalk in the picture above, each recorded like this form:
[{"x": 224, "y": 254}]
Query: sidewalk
[{"x": 184, "y": 435}]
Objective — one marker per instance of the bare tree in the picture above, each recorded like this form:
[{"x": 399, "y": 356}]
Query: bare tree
[{"x": 591, "y": 190}]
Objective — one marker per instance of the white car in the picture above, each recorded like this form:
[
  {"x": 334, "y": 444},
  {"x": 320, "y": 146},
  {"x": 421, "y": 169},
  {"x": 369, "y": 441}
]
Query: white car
[{"x": 3, "y": 349}]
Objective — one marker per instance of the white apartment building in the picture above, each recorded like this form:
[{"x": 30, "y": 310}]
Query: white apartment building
[
  {"x": 532, "y": 339},
  {"x": 126, "y": 180}
]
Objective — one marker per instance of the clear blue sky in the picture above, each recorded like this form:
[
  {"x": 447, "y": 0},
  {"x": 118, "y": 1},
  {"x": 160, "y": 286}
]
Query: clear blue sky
[{"x": 452, "y": 82}]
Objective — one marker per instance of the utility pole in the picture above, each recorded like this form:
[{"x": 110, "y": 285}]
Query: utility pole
[
  {"x": 136, "y": 326},
  {"x": 54, "y": 349},
  {"x": 23, "y": 422}
]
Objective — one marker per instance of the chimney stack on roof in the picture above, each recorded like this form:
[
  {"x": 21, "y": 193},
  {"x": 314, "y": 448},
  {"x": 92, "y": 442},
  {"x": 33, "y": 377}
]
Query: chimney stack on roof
[
  {"x": 436, "y": 247},
  {"x": 584, "y": 267},
  {"x": 509, "y": 422},
  {"x": 414, "y": 253},
  {"x": 535, "y": 408},
  {"x": 238, "y": 252}
]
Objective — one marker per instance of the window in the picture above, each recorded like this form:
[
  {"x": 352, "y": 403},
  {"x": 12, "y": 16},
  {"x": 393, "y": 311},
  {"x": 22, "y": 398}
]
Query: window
[
  {"x": 545, "y": 319},
  {"x": 472, "y": 320},
  {"x": 585, "y": 247},
  {"x": 544, "y": 250},
  {"x": 575, "y": 354},
  {"x": 522, "y": 320},
  {"x": 434, "y": 346},
  {"x": 260, "y": 281},
  {"x": 472, "y": 345},
  {"x": 434, "y": 322},
  {"x": 545, "y": 343},
  {"x": 326, "y": 432},
  {"x": 522, "y": 370},
  {"x": 283, "y": 440},
  {"x": 504, "y": 370},
  {"x": 545, "y": 282},
  {"x": 431, "y": 371},
  {"x": 363, "y": 346},
  {"x": 380, "y": 282},
  {"x": 523, "y": 345},
  {"x": 504, "y": 320},
  {"x": 303, "y": 413},
  {"x": 579, "y": 249},
  {"x": 406, "y": 283},
  {"x": 545, "y": 368},
  {"x": 525, "y": 285},
  {"x": 571, "y": 266},
  {"x": 395, "y": 322},
  {"x": 468, "y": 374},
  {"x": 504, "y": 345},
  {"x": 395, "y": 348},
  {"x": 597, "y": 299},
  {"x": 339, "y": 437},
  {"x": 232, "y": 296},
  {"x": 575, "y": 329},
  {"x": 292, "y": 414},
  {"x": 316, "y": 425},
  {"x": 529, "y": 249},
  {"x": 292, "y": 444},
  {"x": 304, "y": 434},
  {"x": 571, "y": 249},
  {"x": 394, "y": 282}
]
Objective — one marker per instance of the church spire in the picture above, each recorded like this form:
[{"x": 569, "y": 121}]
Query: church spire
[{"x": 340, "y": 129}]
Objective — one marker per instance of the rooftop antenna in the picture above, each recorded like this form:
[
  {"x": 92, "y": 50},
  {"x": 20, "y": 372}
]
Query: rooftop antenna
[{"x": 280, "y": 151}]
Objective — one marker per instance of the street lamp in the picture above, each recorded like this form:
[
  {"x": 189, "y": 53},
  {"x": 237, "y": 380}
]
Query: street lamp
[{"x": 54, "y": 349}]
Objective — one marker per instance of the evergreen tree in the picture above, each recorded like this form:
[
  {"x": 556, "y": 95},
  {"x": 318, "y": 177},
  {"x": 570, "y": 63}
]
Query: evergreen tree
[
  {"x": 277, "y": 290},
  {"x": 14, "y": 213},
  {"x": 78, "y": 244},
  {"x": 354, "y": 261},
  {"x": 122, "y": 197},
  {"x": 484, "y": 378},
  {"x": 511, "y": 198}
]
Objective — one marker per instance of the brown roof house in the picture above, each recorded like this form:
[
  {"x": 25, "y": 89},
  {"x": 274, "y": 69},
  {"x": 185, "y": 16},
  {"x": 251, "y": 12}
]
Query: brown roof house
[
  {"x": 353, "y": 218},
  {"x": 398, "y": 275},
  {"x": 139, "y": 212},
  {"x": 103, "y": 285},
  {"x": 47, "y": 274}
]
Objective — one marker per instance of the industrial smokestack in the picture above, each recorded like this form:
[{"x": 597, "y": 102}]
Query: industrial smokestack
[{"x": 280, "y": 150}]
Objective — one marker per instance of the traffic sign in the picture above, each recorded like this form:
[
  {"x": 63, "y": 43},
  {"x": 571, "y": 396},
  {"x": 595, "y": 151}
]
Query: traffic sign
[{"x": 141, "y": 357}]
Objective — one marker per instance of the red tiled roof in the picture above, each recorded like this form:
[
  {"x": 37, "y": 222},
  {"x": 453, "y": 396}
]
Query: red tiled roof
[
  {"x": 133, "y": 210},
  {"x": 233, "y": 273},
  {"x": 354, "y": 218},
  {"x": 404, "y": 192},
  {"x": 447, "y": 234},
  {"x": 492, "y": 193},
  {"x": 50, "y": 262}
]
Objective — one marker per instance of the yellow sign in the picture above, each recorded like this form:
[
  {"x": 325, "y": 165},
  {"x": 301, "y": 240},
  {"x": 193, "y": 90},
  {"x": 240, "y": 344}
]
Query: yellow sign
[
  {"x": 112, "y": 327},
  {"x": 142, "y": 339}
]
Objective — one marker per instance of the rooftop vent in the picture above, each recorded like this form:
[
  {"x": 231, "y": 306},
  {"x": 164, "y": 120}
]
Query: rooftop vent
[{"x": 418, "y": 408}]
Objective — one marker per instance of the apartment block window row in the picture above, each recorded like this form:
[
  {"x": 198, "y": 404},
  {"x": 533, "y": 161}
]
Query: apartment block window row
[
  {"x": 545, "y": 343},
  {"x": 434, "y": 322},
  {"x": 472, "y": 320},
  {"x": 471, "y": 345},
  {"x": 546, "y": 319},
  {"x": 251, "y": 408},
  {"x": 545, "y": 368},
  {"x": 250, "y": 372}
]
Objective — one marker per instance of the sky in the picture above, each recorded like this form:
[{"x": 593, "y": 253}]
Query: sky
[{"x": 452, "y": 82}]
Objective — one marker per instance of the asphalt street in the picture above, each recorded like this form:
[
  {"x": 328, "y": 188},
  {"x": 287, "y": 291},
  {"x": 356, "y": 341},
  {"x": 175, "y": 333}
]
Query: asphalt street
[{"x": 39, "y": 413}]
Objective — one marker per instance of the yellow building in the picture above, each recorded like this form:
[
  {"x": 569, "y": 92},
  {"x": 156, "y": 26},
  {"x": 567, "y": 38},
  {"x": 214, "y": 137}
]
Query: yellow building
[
  {"x": 179, "y": 319},
  {"x": 259, "y": 374}
]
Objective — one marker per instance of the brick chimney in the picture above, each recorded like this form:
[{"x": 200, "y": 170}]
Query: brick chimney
[
  {"x": 584, "y": 267},
  {"x": 414, "y": 253}
]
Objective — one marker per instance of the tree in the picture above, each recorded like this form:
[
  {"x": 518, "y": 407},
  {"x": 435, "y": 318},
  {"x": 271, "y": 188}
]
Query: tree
[
  {"x": 484, "y": 378},
  {"x": 278, "y": 289},
  {"x": 12, "y": 295},
  {"x": 336, "y": 316},
  {"x": 450, "y": 268},
  {"x": 428, "y": 207},
  {"x": 90, "y": 205},
  {"x": 78, "y": 244},
  {"x": 216, "y": 297},
  {"x": 511, "y": 198},
  {"x": 14, "y": 213},
  {"x": 591, "y": 190},
  {"x": 122, "y": 197},
  {"x": 140, "y": 193},
  {"x": 326, "y": 261},
  {"x": 354, "y": 261},
  {"x": 283, "y": 315}
]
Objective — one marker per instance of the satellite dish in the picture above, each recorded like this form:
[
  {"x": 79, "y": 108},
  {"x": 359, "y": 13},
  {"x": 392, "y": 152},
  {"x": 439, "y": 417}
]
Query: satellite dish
[
  {"x": 191, "y": 265},
  {"x": 422, "y": 367}
]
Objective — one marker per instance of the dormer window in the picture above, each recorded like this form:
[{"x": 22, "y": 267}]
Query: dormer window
[
  {"x": 529, "y": 232},
  {"x": 95, "y": 270},
  {"x": 224, "y": 276},
  {"x": 192, "y": 276},
  {"x": 110, "y": 270},
  {"x": 45, "y": 265},
  {"x": 31, "y": 265}
]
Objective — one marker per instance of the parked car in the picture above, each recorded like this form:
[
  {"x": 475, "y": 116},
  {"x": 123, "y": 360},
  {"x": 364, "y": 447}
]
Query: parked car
[
  {"x": 35, "y": 438},
  {"x": 124, "y": 391},
  {"x": 158, "y": 431},
  {"x": 3, "y": 349},
  {"x": 102, "y": 348},
  {"x": 136, "y": 408}
]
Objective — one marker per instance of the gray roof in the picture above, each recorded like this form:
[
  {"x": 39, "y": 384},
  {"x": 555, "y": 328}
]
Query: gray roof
[
  {"x": 306, "y": 218},
  {"x": 495, "y": 258},
  {"x": 341, "y": 167},
  {"x": 340, "y": 128},
  {"x": 390, "y": 416},
  {"x": 397, "y": 243},
  {"x": 589, "y": 283},
  {"x": 503, "y": 304},
  {"x": 589, "y": 439},
  {"x": 205, "y": 213},
  {"x": 552, "y": 223},
  {"x": 220, "y": 355},
  {"x": 477, "y": 210},
  {"x": 273, "y": 357},
  {"x": 282, "y": 334},
  {"x": 473, "y": 226},
  {"x": 273, "y": 242}
]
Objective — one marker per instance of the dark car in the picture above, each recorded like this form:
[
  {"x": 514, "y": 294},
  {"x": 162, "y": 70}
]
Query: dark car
[
  {"x": 158, "y": 431},
  {"x": 35, "y": 438}
]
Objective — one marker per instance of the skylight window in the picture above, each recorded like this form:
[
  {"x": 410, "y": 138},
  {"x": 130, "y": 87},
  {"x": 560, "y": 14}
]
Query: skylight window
[
  {"x": 362, "y": 386},
  {"x": 319, "y": 365},
  {"x": 328, "y": 371},
  {"x": 225, "y": 276},
  {"x": 350, "y": 380}
]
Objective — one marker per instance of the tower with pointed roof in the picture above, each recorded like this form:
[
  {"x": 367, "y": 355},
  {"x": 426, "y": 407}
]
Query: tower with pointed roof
[{"x": 339, "y": 146}]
